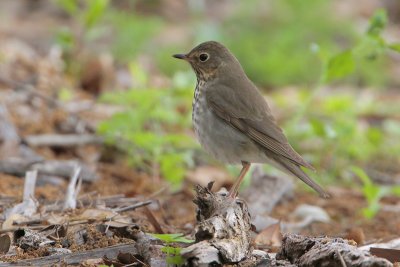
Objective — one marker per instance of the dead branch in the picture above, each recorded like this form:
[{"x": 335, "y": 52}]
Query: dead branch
[
  {"x": 75, "y": 258},
  {"x": 62, "y": 140},
  {"x": 61, "y": 168}
]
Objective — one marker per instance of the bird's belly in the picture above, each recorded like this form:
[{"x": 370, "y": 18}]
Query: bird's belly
[{"x": 221, "y": 140}]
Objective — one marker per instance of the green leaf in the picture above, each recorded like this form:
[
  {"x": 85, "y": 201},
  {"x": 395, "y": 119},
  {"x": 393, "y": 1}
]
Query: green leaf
[
  {"x": 175, "y": 260},
  {"x": 362, "y": 175},
  {"x": 95, "y": 10},
  {"x": 169, "y": 238},
  {"x": 318, "y": 127},
  {"x": 375, "y": 136},
  {"x": 372, "y": 192},
  {"x": 339, "y": 66},
  {"x": 172, "y": 168},
  {"x": 65, "y": 39},
  {"x": 395, "y": 47},
  {"x": 377, "y": 22},
  {"x": 70, "y": 6},
  {"x": 182, "y": 239},
  {"x": 396, "y": 190},
  {"x": 171, "y": 250},
  {"x": 370, "y": 211},
  {"x": 65, "y": 95},
  {"x": 138, "y": 74}
]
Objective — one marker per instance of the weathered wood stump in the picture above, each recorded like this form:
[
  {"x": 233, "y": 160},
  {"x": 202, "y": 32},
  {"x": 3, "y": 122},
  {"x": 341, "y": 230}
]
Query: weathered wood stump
[{"x": 222, "y": 232}]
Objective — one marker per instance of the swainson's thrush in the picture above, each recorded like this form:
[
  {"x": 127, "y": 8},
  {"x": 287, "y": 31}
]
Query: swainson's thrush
[{"x": 232, "y": 120}]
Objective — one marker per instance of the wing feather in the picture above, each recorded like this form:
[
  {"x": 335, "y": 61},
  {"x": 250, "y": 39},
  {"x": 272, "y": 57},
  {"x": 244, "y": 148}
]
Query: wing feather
[{"x": 252, "y": 116}]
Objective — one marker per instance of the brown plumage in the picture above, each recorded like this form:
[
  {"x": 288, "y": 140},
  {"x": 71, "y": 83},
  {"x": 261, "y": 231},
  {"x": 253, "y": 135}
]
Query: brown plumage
[{"x": 231, "y": 118}]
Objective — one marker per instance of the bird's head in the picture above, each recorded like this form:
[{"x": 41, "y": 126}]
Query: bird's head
[{"x": 208, "y": 58}]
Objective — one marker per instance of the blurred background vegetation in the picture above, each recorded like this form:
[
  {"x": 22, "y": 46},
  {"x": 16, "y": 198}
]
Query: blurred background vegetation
[{"x": 330, "y": 70}]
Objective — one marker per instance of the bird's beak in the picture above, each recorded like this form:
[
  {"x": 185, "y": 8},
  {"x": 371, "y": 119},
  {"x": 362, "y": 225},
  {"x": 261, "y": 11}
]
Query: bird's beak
[{"x": 181, "y": 56}]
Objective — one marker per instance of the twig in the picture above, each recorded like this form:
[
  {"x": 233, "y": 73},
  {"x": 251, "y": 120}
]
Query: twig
[
  {"x": 29, "y": 192},
  {"x": 28, "y": 206},
  {"x": 73, "y": 189},
  {"x": 135, "y": 263},
  {"x": 134, "y": 206},
  {"x": 109, "y": 201},
  {"x": 341, "y": 258},
  {"x": 158, "y": 192},
  {"x": 153, "y": 220}
]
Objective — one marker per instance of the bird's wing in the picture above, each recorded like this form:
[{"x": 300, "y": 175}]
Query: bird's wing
[{"x": 251, "y": 115}]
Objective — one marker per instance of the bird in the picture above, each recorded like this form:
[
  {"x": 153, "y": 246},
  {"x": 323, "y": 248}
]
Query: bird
[{"x": 231, "y": 119}]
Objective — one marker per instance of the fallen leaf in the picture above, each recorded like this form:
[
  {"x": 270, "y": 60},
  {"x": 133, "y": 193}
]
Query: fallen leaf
[
  {"x": 270, "y": 236},
  {"x": 96, "y": 214},
  {"x": 57, "y": 219},
  {"x": 9, "y": 222}
]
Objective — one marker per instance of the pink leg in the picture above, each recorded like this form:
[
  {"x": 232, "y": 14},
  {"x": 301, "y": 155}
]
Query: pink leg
[{"x": 235, "y": 188}]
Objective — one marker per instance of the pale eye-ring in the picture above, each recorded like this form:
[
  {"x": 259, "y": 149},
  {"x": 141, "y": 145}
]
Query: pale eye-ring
[{"x": 203, "y": 57}]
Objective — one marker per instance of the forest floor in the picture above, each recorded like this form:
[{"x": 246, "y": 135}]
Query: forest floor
[{"x": 28, "y": 78}]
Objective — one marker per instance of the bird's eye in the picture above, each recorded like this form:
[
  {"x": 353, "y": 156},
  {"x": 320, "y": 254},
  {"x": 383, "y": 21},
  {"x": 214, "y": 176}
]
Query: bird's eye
[{"x": 203, "y": 57}]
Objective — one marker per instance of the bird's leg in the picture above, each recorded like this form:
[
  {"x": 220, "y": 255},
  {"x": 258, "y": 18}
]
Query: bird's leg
[{"x": 235, "y": 188}]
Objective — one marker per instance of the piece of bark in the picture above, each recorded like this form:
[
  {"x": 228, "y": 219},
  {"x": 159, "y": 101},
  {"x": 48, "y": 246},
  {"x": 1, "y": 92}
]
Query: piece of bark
[
  {"x": 392, "y": 255},
  {"x": 323, "y": 251},
  {"x": 222, "y": 231},
  {"x": 30, "y": 240}
]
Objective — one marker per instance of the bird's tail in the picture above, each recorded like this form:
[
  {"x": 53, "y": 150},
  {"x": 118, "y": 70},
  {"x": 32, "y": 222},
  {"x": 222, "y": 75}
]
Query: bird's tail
[{"x": 298, "y": 172}]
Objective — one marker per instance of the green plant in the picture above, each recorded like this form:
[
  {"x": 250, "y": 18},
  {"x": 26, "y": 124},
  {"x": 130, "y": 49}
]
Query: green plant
[
  {"x": 173, "y": 253},
  {"x": 370, "y": 47},
  {"x": 131, "y": 34},
  {"x": 373, "y": 193},
  {"x": 87, "y": 14},
  {"x": 272, "y": 39},
  {"x": 151, "y": 128},
  {"x": 98, "y": 20},
  {"x": 334, "y": 116}
]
